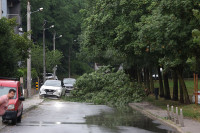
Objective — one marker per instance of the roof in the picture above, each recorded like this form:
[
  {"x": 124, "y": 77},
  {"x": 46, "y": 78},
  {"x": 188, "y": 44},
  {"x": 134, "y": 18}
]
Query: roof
[{"x": 8, "y": 83}]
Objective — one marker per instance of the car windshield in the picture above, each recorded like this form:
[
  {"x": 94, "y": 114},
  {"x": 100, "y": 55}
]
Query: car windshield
[
  {"x": 69, "y": 81},
  {"x": 4, "y": 90},
  {"x": 53, "y": 83}
]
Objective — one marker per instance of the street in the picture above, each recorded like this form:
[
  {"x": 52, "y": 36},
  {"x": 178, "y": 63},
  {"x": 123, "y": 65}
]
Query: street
[{"x": 67, "y": 117}]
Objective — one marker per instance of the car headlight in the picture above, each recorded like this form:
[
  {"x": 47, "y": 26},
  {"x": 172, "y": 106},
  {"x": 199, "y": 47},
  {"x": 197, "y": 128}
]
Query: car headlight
[
  {"x": 59, "y": 91},
  {"x": 11, "y": 106},
  {"x": 41, "y": 89}
]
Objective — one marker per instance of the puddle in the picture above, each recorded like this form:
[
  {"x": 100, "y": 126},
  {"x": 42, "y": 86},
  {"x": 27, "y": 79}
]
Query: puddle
[{"x": 126, "y": 119}]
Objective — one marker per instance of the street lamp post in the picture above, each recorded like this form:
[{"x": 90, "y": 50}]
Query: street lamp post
[
  {"x": 44, "y": 53},
  {"x": 54, "y": 40},
  {"x": 54, "y": 48},
  {"x": 29, "y": 51}
]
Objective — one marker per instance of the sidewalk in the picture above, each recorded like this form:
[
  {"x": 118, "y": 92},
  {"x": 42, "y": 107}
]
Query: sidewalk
[
  {"x": 190, "y": 126},
  {"x": 28, "y": 104}
]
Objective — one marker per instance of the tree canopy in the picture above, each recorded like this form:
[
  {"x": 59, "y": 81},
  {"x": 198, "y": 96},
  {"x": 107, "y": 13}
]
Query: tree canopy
[{"x": 13, "y": 47}]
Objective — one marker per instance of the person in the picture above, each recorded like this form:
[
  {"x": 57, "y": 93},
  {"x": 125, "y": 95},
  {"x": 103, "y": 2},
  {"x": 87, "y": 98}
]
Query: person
[{"x": 4, "y": 101}]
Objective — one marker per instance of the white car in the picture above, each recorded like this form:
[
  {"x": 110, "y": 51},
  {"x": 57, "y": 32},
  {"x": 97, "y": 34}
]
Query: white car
[
  {"x": 51, "y": 88},
  {"x": 68, "y": 84}
]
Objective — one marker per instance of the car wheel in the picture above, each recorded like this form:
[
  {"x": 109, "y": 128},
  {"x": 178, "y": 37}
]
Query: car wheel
[
  {"x": 14, "y": 121},
  {"x": 4, "y": 120},
  {"x": 19, "y": 119}
]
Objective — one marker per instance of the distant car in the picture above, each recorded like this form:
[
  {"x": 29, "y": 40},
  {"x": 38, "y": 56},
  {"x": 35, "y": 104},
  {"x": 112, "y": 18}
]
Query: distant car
[
  {"x": 49, "y": 76},
  {"x": 68, "y": 84},
  {"x": 15, "y": 106},
  {"x": 51, "y": 88},
  {"x": 155, "y": 76}
]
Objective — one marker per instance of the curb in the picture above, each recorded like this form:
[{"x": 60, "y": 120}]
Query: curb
[
  {"x": 154, "y": 117},
  {"x": 31, "y": 107}
]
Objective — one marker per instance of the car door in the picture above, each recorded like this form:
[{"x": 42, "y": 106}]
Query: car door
[{"x": 19, "y": 102}]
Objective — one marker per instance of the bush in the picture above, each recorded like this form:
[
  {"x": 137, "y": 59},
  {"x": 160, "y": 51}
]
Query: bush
[{"x": 107, "y": 87}]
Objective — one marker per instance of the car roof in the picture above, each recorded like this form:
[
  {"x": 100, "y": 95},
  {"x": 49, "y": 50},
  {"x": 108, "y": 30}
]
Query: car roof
[
  {"x": 52, "y": 80},
  {"x": 8, "y": 83},
  {"x": 69, "y": 79}
]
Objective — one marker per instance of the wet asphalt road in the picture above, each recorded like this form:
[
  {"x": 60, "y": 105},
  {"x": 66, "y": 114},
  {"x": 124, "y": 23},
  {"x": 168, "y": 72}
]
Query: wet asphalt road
[{"x": 66, "y": 117}]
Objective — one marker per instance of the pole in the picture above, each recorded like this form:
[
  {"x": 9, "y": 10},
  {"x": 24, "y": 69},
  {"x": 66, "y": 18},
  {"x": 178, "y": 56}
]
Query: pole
[
  {"x": 29, "y": 51},
  {"x": 54, "y": 42},
  {"x": 0, "y": 9},
  {"x": 44, "y": 63},
  {"x": 54, "y": 48},
  {"x": 69, "y": 61},
  {"x": 196, "y": 94}
]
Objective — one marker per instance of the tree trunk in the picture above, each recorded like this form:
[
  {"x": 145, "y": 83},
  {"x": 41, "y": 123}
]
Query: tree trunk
[
  {"x": 139, "y": 76},
  {"x": 175, "y": 86},
  {"x": 145, "y": 78},
  {"x": 148, "y": 81},
  {"x": 151, "y": 80},
  {"x": 160, "y": 83},
  {"x": 182, "y": 83},
  {"x": 181, "y": 93},
  {"x": 166, "y": 84}
]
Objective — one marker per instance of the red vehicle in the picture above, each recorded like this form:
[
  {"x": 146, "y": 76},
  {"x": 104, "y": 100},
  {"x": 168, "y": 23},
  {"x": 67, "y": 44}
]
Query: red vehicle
[{"x": 15, "y": 105}]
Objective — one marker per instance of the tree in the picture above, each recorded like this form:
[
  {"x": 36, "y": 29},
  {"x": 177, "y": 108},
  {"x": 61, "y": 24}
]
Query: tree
[
  {"x": 13, "y": 47},
  {"x": 53, "y": 58},
  {"x": 64, "y": 14}
]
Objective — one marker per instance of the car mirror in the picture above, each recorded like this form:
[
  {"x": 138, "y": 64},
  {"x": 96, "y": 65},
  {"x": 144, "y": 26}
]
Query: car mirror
[{"x": 21, "y": 98}]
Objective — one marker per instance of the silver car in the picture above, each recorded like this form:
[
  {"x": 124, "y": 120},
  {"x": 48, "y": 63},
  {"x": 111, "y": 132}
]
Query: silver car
[
  {"x": 68, "y": 84},
  {"x": 51, "y": 88}
]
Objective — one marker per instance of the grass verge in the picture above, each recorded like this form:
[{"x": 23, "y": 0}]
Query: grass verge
[{"x": 189, "y": 110}]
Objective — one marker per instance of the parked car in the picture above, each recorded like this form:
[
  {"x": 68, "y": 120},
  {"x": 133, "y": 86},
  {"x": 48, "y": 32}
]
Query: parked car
[
  {"x": 68, "y": 84},
  {"x": 15, "y": 106},
  {"x": 51, "y": 88},
  {"x": 49, "y": 76}
]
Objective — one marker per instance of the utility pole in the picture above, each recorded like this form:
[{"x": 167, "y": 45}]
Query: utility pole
[
  {"x": 54, "y": 48},
  {"x": 29, "y": 51},
  {"x": 0, "y": 9},
  {"x": 54, "y": 42},
  {"x": 44, "y": 58},
  {"x": 69, "y": 61}
]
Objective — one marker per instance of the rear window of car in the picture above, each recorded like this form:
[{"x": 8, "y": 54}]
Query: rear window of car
[
  {"x": 4, "y": 90},
  {"x": 69, "y": 81}
]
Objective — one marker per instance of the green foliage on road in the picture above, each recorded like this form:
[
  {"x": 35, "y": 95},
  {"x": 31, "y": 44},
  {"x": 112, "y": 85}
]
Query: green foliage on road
[
  {"x": 105, "y": 86},
  {"x": 13, "y": 47}
]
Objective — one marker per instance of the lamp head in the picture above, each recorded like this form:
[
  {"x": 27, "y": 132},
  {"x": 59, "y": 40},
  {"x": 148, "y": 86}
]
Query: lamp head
[
  {"x": 60, "y": 36},
  {"x": 41, "y": 9},
  {"x": 20, "y": 29}
]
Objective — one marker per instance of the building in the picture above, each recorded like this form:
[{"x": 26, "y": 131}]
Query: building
[{"x": 11, "y": 9}]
